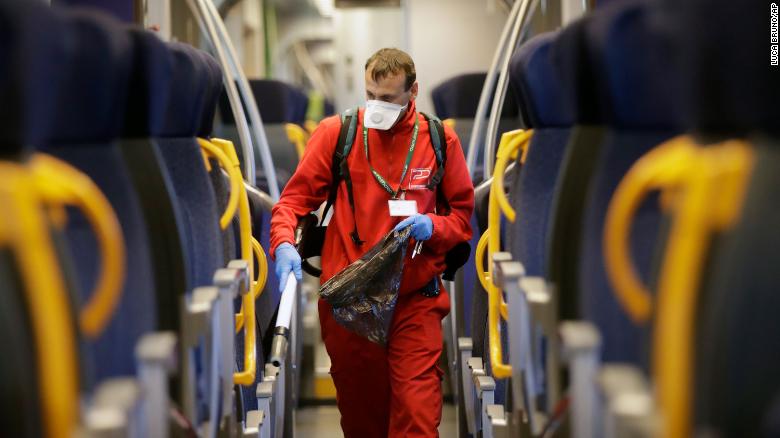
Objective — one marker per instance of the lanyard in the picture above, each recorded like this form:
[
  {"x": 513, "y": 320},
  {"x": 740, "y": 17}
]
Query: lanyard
[{"x": 382, "y": 182}]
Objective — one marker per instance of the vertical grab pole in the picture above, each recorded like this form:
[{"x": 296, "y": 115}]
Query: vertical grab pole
[
  {"x": 479, "y": 119},
  {"x": 199, "y": 10},
  {"x": 251, "y": 108},
  {"x": 503, "y": 83}
]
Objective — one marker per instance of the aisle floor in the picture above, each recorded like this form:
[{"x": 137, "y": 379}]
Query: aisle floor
[{"x": 323, "y": 422}]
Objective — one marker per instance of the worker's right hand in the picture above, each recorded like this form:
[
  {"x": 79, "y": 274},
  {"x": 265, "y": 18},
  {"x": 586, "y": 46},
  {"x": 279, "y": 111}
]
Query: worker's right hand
[{"x": 287, "y": 260}]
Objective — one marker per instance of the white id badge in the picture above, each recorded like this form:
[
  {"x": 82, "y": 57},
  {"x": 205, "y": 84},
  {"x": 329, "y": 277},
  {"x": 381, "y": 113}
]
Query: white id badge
[{"x": 400, "y": 207}]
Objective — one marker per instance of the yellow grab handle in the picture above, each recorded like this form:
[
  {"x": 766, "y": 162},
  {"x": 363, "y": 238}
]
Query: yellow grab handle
[
  {"x": 24, "y": 229},
  {"x": 710, "y": 200},
  {"x": 226, "y": 148},
  {"x": 228, "y": 160},
  {"x": 310, "y": 126},
  {"x": 511, "y": 143},
  {"x": 297, "y": 137},
  {"x": 484, "y": 277},
  {"x": 708, "y": 186},
  {"x": 479, "y": 257},
  {"x": 262, "y": 268},
  {"x": 232, "y": 165},
  {"x": 449, "y": 122},
  {"x": 262, "y": 276},
  {"x": 59, "y": 183},
  {"x": 661, "y": 168},
  {"x": 210, "y": 150},
  {"x": 206, "y": 159}
]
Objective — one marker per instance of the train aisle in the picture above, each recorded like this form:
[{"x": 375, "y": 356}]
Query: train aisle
[{"x": 323, "y": 422}]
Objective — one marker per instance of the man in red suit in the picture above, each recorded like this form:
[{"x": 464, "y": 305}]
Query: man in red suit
[{"x": 394, "y": 390}]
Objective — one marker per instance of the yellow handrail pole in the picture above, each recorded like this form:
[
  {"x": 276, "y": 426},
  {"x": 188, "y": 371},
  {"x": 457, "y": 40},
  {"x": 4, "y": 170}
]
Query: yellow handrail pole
[
  {"x": 310, "y": 126},
  {"x": 262, "y": 268},
  {"x": 262, "y": 261},
  {"x": 708, "y": 185},
  {"x": 479, "y": 261},
  {"x": 225, "y": 153},
  {"x": 22, "y": 228},
  {"x": 59, "y": 183},
  {"x": 511, "y": 142},
  {"x": 226, "y": 162},
  {"x": 248, "y": 375},
  {"x": 235, "y": 191},
  {"x": 262, "y": 276},
  {"x": 297, "y": 137},
  {"x": 712, "y": 200},
  {"x": 661, "y": 168},
  {"x": 517, "y": 142}
]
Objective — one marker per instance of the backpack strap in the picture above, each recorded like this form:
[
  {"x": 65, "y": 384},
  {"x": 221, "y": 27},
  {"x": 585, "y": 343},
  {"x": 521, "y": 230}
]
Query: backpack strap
[
  {"x": 456, "y": 257},
  {"x": 339, "y": 167},
  {"x": 344, "y": 166},
  {"x": 335, "y": 172},
  {"x": 439, "y": 143}
]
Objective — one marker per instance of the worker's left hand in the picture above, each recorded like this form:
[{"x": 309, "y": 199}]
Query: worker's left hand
[{"x": 422, "y": 226}]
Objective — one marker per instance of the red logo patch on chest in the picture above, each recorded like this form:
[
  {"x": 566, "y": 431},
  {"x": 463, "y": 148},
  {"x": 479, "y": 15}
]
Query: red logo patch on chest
[{"x": 419, "y": 178}]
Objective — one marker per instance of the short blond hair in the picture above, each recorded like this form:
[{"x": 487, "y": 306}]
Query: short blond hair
[{"x": 389, "y": 61}]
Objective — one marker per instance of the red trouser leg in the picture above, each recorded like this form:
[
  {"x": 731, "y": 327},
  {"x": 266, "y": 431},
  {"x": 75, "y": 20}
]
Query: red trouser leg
[
  {"x": 359, "y": 370},
  {"x": 413, "y": 358},
  {"x": 394, "y": 392}
]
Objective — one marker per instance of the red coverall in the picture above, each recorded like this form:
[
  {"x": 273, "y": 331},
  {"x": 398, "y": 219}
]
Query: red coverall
[{"x": 394, "y": 391}]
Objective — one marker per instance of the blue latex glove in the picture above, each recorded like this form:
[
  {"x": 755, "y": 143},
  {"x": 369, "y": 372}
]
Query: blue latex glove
[
  {"x": 287, "y": 260},
  {"x": 422, "y": 226}
]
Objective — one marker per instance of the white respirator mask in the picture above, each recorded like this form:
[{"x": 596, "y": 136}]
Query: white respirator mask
[{"x": 381, "y": 115}]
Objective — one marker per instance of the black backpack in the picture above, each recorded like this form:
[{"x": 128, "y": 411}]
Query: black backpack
[{"x": 310, "y": 236}]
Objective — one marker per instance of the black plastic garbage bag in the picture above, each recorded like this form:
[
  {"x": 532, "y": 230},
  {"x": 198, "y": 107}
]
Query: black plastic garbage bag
[{"x": 363, "y": 295}]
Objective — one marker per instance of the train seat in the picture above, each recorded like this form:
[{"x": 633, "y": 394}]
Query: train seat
[
  {"x": 457, "y": 98},
  {"x": 582, "y": 85},
  {"x": 146, "y": 108},
  {"x": 550, "y": 115},
  {"x": 279, "y": 103},
  {"x": 733, "y": 93},
  {"x": 30, "y": 75},
  {"x": 89, "y": 116},
  {"x": 642, "y": 111},
  {"x": 184, "y": 161}
]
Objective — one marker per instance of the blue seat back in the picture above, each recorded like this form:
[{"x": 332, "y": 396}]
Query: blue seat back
[
  {"x": 732, "y": 91},
  {"x": 30, "y": 76},
  {"x": 144, "y": 118},
  {"x": 219, "y": 180},
  {"x": 264, "y": 307},
  {"x": 458, "y": 97},
  {"x": 184, "y": 161},
  {"x": 278, "y": 102},
  {"x": 149, "y": 81},
  {"x": 548, "y": 112},
  {"x": 28, "y": 82},
  {"x": 641, "y": 76},
  {"x": 730, "y": 87},
  {"x": 581, "y": 84},
  {"x": 213, "y": 92},
  {"x": 532, "y": 184},
  {"x": 89, "y": 115}
]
